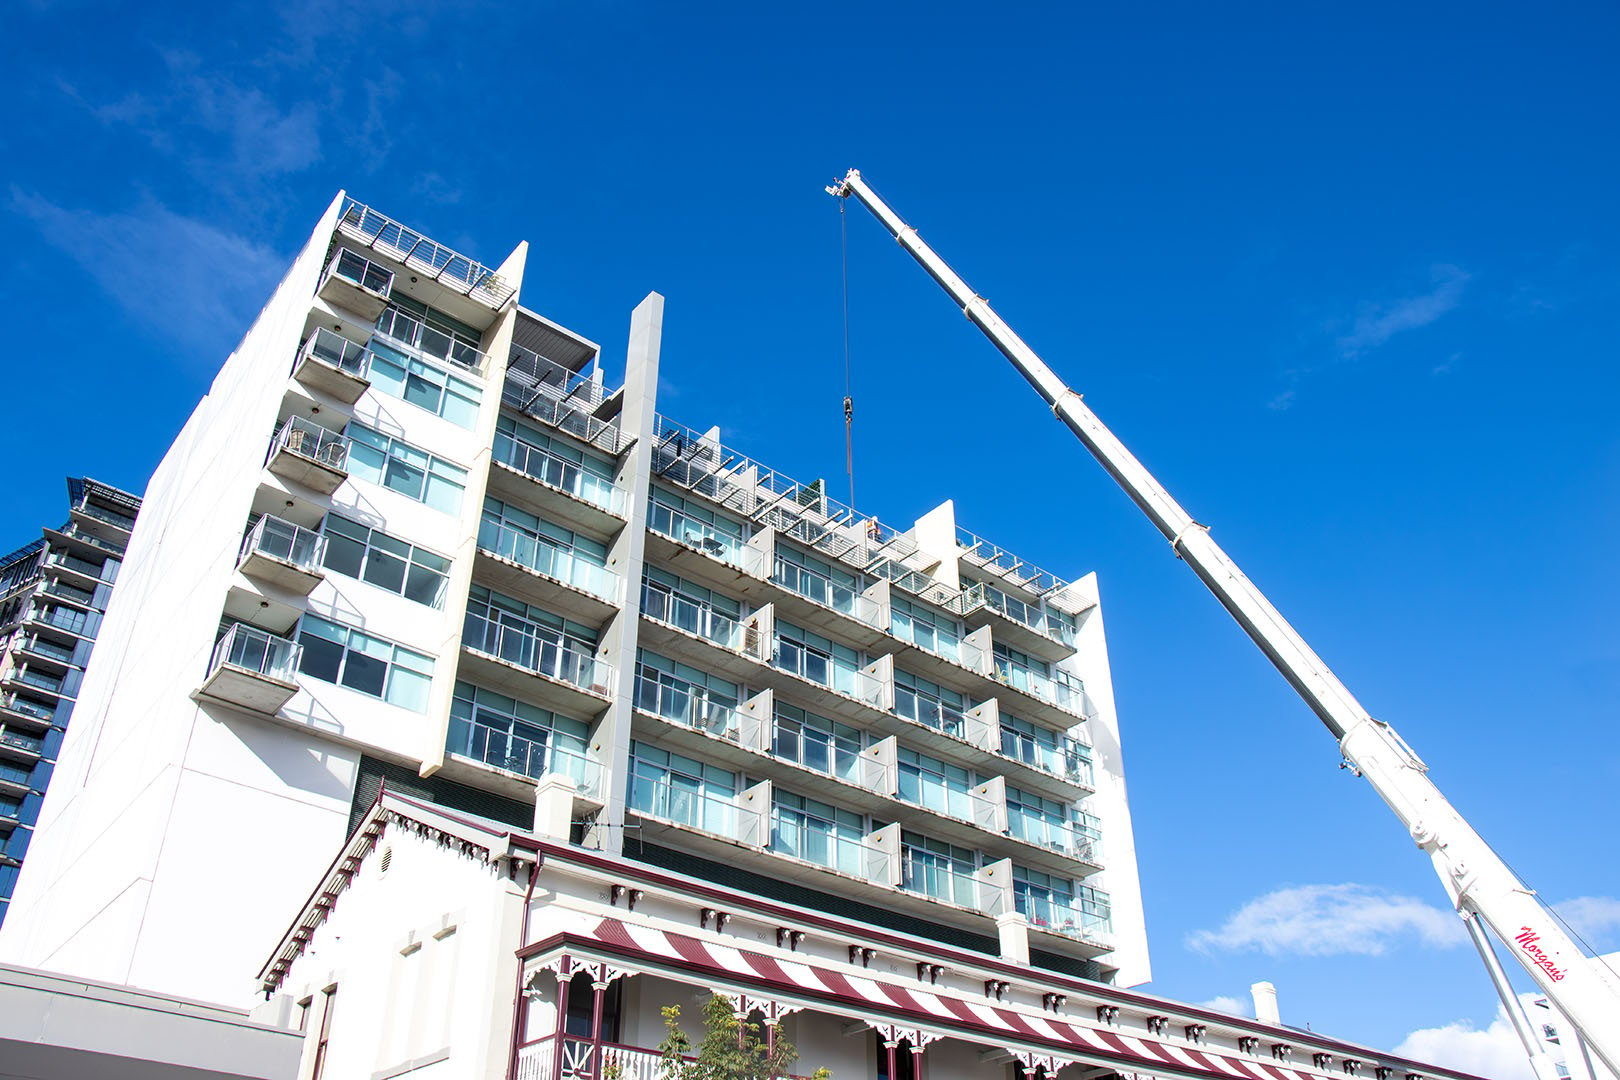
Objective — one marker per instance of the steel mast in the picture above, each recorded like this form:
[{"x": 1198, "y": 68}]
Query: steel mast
[{"x": 1477, "y": 879}]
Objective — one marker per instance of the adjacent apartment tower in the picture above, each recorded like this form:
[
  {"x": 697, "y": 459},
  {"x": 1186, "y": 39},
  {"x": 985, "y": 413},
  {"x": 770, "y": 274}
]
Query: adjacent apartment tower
[
  {"x": 53, "y": 593},
  {"x": 414, "y": 541}
]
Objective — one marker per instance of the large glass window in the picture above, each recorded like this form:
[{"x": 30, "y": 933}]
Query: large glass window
[
  {"x": 554, "y": 461},
  {"x": 422, "y": 384},
  {"x": 1058, "y": 904},
  {"x": 373, "y": 556},
  {"x": 430, "y": 331},
  {"x": 1039, "y": 820},
  {"x": 819, "y": 659},
  {"x": 935, "y": 868},
  {"x": 545, "y": 547},
  {"x": 685, "y": 694},
  {"x": 815, "y": 578},
  {"x": 695, "y": 609},
  {"x": 683, "y": 790},
  {"x": 932, "y": 783},
  {"x": 916, "y": 698},
  {"x": 341, "y": 654},
  {"x": 533, "y": 638},
  {"x": 692, "y": 523},
  {"x": 514, "y": 735},
  {"x": 930, "y": 630},
  {"x": 817, "y": 832},
  {"x": 401, "y": 467},
  {"x": 817, "y": 743}
]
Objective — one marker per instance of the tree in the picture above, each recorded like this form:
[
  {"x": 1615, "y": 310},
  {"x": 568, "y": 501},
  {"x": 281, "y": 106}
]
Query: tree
[{"x": 733, "y": 1048}]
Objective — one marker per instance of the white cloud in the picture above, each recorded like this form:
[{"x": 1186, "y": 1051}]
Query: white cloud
[
  {"x": 1329, "y": 920},
  {"x": 1377, "y": 323},
  {"x": 1495, "y": 1051},
  {"x": 182, "y": 277},
  {"x": 1595, "y": 918},
  {"x": 1226, "y": 1004}
]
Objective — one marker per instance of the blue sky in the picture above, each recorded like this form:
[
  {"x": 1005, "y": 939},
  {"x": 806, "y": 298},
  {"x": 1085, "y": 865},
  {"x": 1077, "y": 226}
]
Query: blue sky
[{"x": 1345, "y": 276}]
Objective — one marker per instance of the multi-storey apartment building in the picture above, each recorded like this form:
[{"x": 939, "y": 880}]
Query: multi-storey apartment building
[
  {"x": 414, "y": 540},
  {"x": 53, "y": 593}
]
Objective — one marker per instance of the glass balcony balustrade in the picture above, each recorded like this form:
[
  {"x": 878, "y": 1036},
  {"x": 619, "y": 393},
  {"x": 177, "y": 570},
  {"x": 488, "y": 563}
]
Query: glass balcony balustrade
[
  {"x": 19, "y": 740},
  {"x": 533, "y": 753},
  {"x": 75, "y": 564},
  {"x": 126, "y": 522},
  {"x": 821, "y": 589},
  {"x": 670, "y": 522},
  {"x": 27, "y": 708},
  {"x": 61, "y": 590},
  {"x": 287, "y": 542},
  {"x": 980, "y": 595},
  {"x": 1043, "y": 832},
  {"x": 547, "y": 560},
  {"x": 1057, "y": 755},
  {"x": 558, "y": 472},
  {"x": 40, "y": 647},
  {"x": 1063, "y": 915},
  {"x": 963, "y": 804},
  {"x": 669, "y": 798},
  {"x": 538, "y": 649},
  {"x": 338, "y": 351},
  {"x": 310, "y": 441},
  {"x": 677, "y": 700},
  {"x": 1065, "y": 695},
  {"x": 700, "y": 619},
  {"x": 360, "y": 272},
  {"x": 257, "y": 652},
  {"x": 38, "y": 679}
]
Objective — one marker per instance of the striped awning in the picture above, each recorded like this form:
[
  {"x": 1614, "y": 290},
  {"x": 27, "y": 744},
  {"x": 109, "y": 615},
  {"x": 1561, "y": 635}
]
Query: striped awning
[{"x": 936, "y": 1014}]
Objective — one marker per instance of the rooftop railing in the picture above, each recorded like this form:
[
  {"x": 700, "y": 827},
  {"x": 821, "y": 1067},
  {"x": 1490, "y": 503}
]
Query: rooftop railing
[
  {"x": 433, "y": 260},
  {"x": 557, "y": 381},
  {"x": 536, "y": 649},
  {"x": 285, "y": 541},
  {"x": 558, "y": 472},
  {"x": 258, "y": 652},
  {"x": 548, "y": 561},
  {"x": 569, "y": 414}
]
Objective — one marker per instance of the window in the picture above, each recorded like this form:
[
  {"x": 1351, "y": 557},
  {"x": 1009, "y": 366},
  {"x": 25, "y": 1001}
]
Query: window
[
  {"x": 399, "y": 375},
  {"x": 401, "y": 467},
  {"x": 340, "y": 654},
  {"x": 64, "y": 618},
  {"x": 691, "y": 523},
  {"x": 674, "y": 600},
  {"x": 816, "y": 742},
  {"x": 817, "y": 832},
  {"x": 928, "y": 630},
  {"x": 328, "y": 1004},
  {"x": 375, "y": 557},
  {"x": 928, "y": 703},
  {"x": 1039, "y": 820},
  {"x": 515, "y": 735},
  {"x": 582, "y": 1008},
  {"x": 928, "y": 782},
  {"x": 816, "y": 658},
  {"x": 554, "y": 461},
  {"x": 546, "y": 548},
  {"x": 431, "y": 332},
  {"x": 820, "y": 581},
  {"x": 532, "y": 638},
  {"x": 10, "y": 807},
  {"x": 682, "y": 789},
  {"x": 1057, "y": 904},
  {"x": 685, "y": 694},
  {"x": 935, "y": 868}
]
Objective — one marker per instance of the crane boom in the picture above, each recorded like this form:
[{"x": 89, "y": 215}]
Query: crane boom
[{"x": 1478, "y": 881}]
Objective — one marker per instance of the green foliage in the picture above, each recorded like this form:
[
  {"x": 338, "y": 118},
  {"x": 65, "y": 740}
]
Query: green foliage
[{"x": 731, "y": 1048}]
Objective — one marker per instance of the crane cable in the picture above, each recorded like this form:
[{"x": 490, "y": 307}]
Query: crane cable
[{"x": 849, "y": 400}]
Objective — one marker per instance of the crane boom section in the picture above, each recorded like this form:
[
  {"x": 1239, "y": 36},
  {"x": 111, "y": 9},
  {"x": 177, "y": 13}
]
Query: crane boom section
[{"x": 1470, "y": 870}]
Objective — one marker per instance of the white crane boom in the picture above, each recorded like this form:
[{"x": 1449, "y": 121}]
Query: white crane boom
[{"x": 1473, "y": 875}]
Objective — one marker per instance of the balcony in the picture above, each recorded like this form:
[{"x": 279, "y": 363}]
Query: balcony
[
  {"x": 25, "y": 712},
  {"x": 1062, "y": 756},
  {"x": 332, "y": 365},
  {"x": 529, "y": 662},
  {"x": 253, "y": 669},
  {"x": 540, "y": 400},
  {"x": 82, "y": 572},
  {"x": 95, "y": 515},
  {"x": 937, "y": 878},
  {"x": 76, "y": 537},
  {"x": 1065, "y": 916},
  {"x": 355, "y": 283},
  {"x": 57, "y": 589},
  {"x": 415, "y": 336},
  {"x": 1065, "y": 840},
  {"x": 819, "y": 603},
  {"x": 1056, "y": 701},
  {"x": 743, "y": 818},
  {"x": 20, "y": 745},
  {"x": 302, "y": 452},
  {"x": 525, "y": 566},
  {"x": 284, "y": 555},
  {"x": 525, "y": 755},
  {"x": 434, "y": 262},
  {"x": 570, "y": 495},
  {"x": 1024, "y": 626},
  {"x": 38, "y": 649},
  {"x": 690, "y": 706},
  {"x": 537, "y": 1061}
]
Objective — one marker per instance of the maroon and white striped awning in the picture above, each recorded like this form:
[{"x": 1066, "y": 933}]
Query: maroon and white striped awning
[{"x": 937, "y": 1014}]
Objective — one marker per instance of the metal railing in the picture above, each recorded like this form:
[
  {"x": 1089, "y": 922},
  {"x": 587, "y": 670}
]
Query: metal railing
[
  {"x": 26, "y": 707},
  {"x": 360, "y": 272},
  {"x": 434, "y": 260},
  {"x": 32, "y": 743},
  {"x": 535, "y": 399},
  {"x": 820, "y": 589},
  {"x": 982, "y": 553},
  {"x": 309, "y": 440},
  {"x": 417, "y": 336},
  {"x": 558, "y": 472},
  {"x": 285, "y": 541},
  {"x": 935, "y": 875},
  {"x": 337, "y": 350},
  {"x": 980, "y": 595},
  {"x": 1062, "y": 915},
  {"x": 555, "y": 380},
  {"x": 539, "y": 650},
  {"x": 531, "y": 757},
  {"x": 101, "y": 513},
  {"x": 553, "y": 562},
  {"x": 259, "y": 652},
  {"x": 1066, "y": 696},
  {"x": 684, "y": 703},
  {"x": 661, "y": 798}
]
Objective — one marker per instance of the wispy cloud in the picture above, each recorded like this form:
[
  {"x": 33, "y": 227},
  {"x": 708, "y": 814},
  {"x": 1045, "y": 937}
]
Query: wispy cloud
[
  {"x": 1596, "y": 918},
  {"x": 1376, "y": 323},
  {"x": 188, "y": 279},
  {"x": 1494, "y": 1051},
  {"x": 1329, "y": 920},
  {"x": 1227, "y": 1004}
]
